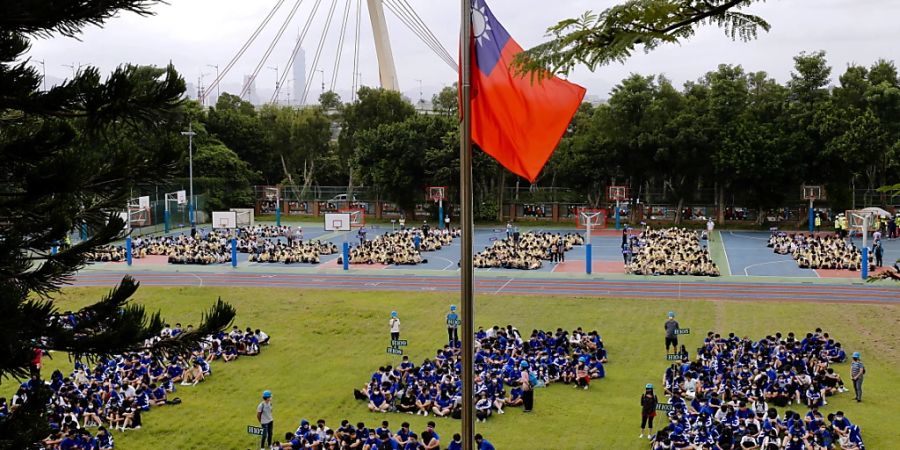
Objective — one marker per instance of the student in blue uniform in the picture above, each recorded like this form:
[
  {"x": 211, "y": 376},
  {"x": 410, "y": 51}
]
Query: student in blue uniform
[
  {"x": 482, "y": 443},
  {"x": 456, "y": 444}
]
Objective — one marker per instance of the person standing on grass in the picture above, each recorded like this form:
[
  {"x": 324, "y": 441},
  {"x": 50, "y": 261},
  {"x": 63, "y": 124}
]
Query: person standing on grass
[
  {"x": 671, "y": 338},
  {"x": 264, "y": 416},
  {"x": 394, "y": 323},
  {"x": 525, "y": 380},
  {"x": 857, "y": 373},
  {"x": 648, "y": 410},
  {"x": 453, "y": 326}
]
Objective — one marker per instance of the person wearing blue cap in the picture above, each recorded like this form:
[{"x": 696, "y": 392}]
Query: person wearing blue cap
[
  {"x": 648, "y": 410},
  {"x": 527, "y": 383},
  {"x": 857, "y": 373},
  {"x": 395, "y": 326},
  {"x": 452, "y": 326},
  {"x": 264, "y": 416},
  {"x": 671, "y": 337}
]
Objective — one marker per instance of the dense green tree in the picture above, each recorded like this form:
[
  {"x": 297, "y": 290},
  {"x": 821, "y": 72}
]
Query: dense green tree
[
  {"x": 237, "y": 124},
  {"x": 446, "y": 101},
  {"x": 223, "y": 177},
  {"x": 64, "y": 167}
]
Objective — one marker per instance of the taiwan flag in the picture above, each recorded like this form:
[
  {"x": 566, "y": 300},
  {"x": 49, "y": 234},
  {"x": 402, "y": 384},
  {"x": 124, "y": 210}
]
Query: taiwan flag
[{"x": 517, "y": 120}]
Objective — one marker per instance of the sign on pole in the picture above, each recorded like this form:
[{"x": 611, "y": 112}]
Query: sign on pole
[
  {"x": 144, "y": 202},
  {"x": 181, "y": 197}
]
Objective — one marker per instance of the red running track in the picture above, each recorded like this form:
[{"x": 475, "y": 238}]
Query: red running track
[{"x": 663, "y": 288}]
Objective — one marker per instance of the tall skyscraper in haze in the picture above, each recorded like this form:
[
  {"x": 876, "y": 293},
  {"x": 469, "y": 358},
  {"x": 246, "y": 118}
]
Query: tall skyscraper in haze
[
  {"x": 251, "y": 95},
  {"x": 299, "y": 72}
]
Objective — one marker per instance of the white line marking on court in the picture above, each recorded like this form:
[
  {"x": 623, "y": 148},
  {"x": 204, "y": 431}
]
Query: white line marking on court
[
  {"x": 727, "y": 262},
  {"x": 504, "y": 285},
  {"x": 449, "y": 263},
  {"x": 747, "y": 237},
  {"x": 765, "y": 264},
  {"x": 198, "y": 277}
]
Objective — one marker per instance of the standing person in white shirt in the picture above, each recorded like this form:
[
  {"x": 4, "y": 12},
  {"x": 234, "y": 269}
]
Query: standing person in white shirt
[
  {"x": 710, "y": 226},
  {"x": 395, "y": 326},
  {"x": 264, "y": 416}
]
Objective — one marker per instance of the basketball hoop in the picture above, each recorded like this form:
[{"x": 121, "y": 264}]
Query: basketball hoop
[
  {"x": 437, "y": 193},
  {"x": 813, "y": 193},
  {"x": 357, "y": 216},
  {"x": 617, "y": 193}
]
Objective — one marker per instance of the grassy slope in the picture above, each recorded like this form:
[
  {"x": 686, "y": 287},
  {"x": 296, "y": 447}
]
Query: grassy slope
[{"x": 325, "y": 343}]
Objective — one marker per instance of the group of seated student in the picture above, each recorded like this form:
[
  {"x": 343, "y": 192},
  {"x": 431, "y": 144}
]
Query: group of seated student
[
  {"x": 819, "y": 252},
  {"x": 726, "y": 398},
  {"x": 361, "y": 437},
  {"x": 527, "y": 251},
  {"x": 107, "y": 253},
  {"x": 433, "y": 388},
  {"x": 670, "y": 251},
  {"x": 278, "y": 252},
  {"x": 113, "y": 393},
  {"x": 398, "y": 247}
]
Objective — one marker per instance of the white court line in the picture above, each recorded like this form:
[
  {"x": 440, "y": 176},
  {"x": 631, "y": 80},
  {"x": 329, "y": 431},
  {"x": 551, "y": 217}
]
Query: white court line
[
  {"x": 722, "y": 242},
  {"x": 198, "y": 277},
  {"x": 747, "y": 237},
  {"x": 504, "y": 285},
  {"x": 450, "y": 263},
  {"x": 765, "y": 264}
]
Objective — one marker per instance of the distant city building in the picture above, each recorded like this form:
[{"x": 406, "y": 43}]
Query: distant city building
[
  {"x": 299, "y": 72},
  {"x": 251, "y": 95},
  {"x": 190, "y": 90}
]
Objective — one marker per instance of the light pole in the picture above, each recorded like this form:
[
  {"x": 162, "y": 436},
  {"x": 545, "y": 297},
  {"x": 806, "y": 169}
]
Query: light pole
[
  {"x": 75, "y": 68},
  {"x": 323, "y": 79},
  {"x": 43, "y": 74},
  {"x": 216, "y": 66},
  {"x": 421, "y": 99},
  {"x": 190, "y": 134},
  {"x": 275, "y": 97}
]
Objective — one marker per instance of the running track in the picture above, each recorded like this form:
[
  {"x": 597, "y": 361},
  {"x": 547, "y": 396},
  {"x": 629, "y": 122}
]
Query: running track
[{"x": 649, "y": 289}]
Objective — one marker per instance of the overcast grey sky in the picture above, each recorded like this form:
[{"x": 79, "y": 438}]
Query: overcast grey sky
[{"x": 194, "y": 33}]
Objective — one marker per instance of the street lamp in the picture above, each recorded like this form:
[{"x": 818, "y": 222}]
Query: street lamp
[
  {"x": 323, "y": 79},
  {"x": 190, "y": 134},
  {"x": 276, "y": 97},
  {"x": 216, "y": 66}
]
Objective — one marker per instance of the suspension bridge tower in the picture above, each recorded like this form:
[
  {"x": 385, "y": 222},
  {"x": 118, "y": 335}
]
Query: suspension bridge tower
[{"x": 387, "y": 71}]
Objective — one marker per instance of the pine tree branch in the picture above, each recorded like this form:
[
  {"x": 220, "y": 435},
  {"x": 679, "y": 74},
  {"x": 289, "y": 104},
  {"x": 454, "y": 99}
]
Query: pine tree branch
[
  {"x": 613, "y": 35},
  {"x": 67, "y": 17}
]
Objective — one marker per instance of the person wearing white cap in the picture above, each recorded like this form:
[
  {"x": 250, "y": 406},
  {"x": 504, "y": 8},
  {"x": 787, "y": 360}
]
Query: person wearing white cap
[
  {"x": 857, "y": 373},
  {"x": 452, "y": 326}
]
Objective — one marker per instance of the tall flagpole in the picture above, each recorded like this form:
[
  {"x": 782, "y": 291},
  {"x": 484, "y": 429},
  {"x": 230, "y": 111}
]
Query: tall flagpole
[{"x": 467, "y": 228}]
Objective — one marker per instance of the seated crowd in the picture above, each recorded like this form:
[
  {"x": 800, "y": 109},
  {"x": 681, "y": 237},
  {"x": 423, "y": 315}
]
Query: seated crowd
[
  {"x": 434, "y": 386},
  {"x": 726, "y": 398},
  {"x": 107, "y": 253},
  {"x": 398, "y": 247},
  {"x": 527, "y": 251},
  {"x": 360, "y": 437},
  {"x": 819, "y": 252},
  {"x": 669, "y": 251},
  {"x": 113, "y": 393},
  {"x": 297, "y": 252}
]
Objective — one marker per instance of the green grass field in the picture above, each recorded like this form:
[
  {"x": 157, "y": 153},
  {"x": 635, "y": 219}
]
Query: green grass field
[{"x": 325, "y": 343}]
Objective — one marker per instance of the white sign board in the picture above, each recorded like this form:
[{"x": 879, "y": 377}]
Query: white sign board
[
  {"x": 181, "y": 196},
  {"x": 224, "y": 219},
  {"x": 144, "y": 202},
  {"x": 337, "y": 222}
]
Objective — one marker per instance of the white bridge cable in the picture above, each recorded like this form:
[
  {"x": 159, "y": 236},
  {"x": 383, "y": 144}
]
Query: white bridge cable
[
  {"x": 340, "y": 49},
  {"x": 244, "y": 48},
  {"x": 353, "y": 83},
  {"x": 319, "y": 48},
  {"x": 416, "y": 28},
  {"x": 428, "y": 31},
  {"x": 414, "y": 23},
  {"x": 298, "y": 45},
  {"x": 271, "y": 47}
]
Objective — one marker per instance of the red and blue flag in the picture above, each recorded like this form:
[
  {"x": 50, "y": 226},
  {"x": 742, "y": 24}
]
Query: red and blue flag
[{"x": 516, "y": 120}]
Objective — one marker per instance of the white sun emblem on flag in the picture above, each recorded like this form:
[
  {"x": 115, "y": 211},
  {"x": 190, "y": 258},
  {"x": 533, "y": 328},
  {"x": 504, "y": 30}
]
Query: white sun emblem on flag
[{"x": 480, "y": 25}]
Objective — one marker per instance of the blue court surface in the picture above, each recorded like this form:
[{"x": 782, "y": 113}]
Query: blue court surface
[{"x": 748, "y": 256}]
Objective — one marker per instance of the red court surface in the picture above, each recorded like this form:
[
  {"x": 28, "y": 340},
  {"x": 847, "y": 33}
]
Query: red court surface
[
  {"x": 832, "y": 273},
  {"x": 577, "y": 266},
  {"x": 150, "y": 259},
  {"x": 333, "y": 264}
]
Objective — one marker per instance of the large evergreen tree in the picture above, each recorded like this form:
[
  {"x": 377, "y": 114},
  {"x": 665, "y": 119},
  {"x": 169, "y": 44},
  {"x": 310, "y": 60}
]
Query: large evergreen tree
[{"x": 64, "y": 166}]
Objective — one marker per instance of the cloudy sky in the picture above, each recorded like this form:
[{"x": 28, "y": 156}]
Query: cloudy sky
[{"x": 196, "y": 33}]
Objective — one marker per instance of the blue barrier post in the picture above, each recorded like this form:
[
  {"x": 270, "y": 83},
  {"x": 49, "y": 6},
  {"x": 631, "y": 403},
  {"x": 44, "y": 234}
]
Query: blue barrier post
[
  {"x": 346, "y": 253},
  {"x": 618, "y": 218},
  {"x": 278, "y": 216},
  {"x": 587, "y": 258},
  {"x": 167, "y": 220},
  {"x": 812, "y": 220},
  {"x": 191, "y": 213},
  {"x": 417, "y": 241},
  {"x": 128, "y": 250},
  {"x": 84, "y": 235},
  {"x": 54, "y": 249},
  {"x": 865, "y": 263},
  {"x": 233, "y": 252},
  {"x": 441, "y": 215}
]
